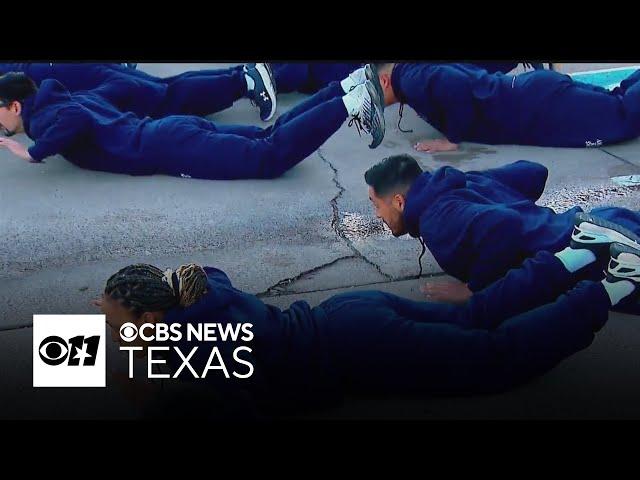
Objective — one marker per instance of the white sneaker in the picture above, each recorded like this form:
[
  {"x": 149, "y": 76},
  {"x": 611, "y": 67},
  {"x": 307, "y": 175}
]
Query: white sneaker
[
  {"x": 366, "y": 111},
  {"x": 596, "y": 234},
  {"x": 624, "y": 263},
  {"x": 355, "y": 78}
]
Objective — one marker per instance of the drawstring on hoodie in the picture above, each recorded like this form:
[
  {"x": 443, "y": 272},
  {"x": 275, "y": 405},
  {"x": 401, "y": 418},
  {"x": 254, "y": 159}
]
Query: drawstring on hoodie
[
  {"x": 424, "y": 249},
  {"x": 400, "y": 119}
]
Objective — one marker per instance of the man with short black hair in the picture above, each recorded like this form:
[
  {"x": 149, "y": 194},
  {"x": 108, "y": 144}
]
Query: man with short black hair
[
  {"x": 389, "y": 181},
  {"x": 542, "y": 107},
  {"x": 477, "y": 224},
  {"x": 198, "y": 92},
  {"x": 92, "y": 133}
]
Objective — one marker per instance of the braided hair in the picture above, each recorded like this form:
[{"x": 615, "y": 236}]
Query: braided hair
[{"x": 145, "y": 288}]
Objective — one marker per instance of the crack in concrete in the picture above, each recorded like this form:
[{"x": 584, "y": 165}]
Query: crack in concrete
[
  {"x": 280, "y": 287},
  {"x": 366, "y": 284},
  {"x": 335, "y": 221},
  {"x": 11, "y": 328},
  {"x": 618, "y": 158}
]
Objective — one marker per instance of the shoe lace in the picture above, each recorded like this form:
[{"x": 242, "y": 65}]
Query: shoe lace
[
  {"x": 364, "y": 119},
  {"x": 400, "y": 119},
  {"x": 424, "y": 249},
  {"x": 355, "y": 121},
  {"x": 368, "y": 117}
]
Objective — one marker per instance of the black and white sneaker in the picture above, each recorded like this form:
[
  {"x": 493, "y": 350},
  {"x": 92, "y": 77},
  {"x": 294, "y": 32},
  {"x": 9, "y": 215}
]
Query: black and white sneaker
[
  {"x": 369, "y": 115},
  {"x": 360, "y": 76},
  {"x": 355, "y": 78},
  {"x": 624, "y": 263},
  {"x": 596, "y": 234},
  {"x": 263, "y": 94}
]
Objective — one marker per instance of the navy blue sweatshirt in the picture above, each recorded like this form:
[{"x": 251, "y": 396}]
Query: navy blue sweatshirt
[
  {"x": 289, "y": 350},
  {"x": 88, "y": 131},
  {"x": 478, "y": 225},
  {"x": 467, "y": 103}
]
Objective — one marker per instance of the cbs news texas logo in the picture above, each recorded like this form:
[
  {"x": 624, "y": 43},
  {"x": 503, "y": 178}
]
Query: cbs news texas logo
[{"x": 69, "y": 351}]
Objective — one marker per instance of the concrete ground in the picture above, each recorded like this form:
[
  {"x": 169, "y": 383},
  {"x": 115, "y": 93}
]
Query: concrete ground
[{"x": 307, "y": 235}]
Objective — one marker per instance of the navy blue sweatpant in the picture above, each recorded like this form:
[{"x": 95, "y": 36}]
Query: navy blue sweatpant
[
  {"x": 517, "y": 328},
  {"x": 309, "y": 77},
  {"x": 198, "y": 148},
  {"x": 577, "y": 114},
  {"x": 198, "y": 92},
  {"x": 542, "y": 107},
  {"x": 190, "y": 93}
]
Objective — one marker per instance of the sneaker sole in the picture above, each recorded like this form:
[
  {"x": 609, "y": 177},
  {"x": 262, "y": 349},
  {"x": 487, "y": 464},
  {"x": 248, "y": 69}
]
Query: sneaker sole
[
  {"x": 271, "y": 78},
  {"x": 377, "y": 140},
  {"x": 599, "y": 228},
  {"x": 267, "y": 80},
  {"x": 625, "y": 257}
]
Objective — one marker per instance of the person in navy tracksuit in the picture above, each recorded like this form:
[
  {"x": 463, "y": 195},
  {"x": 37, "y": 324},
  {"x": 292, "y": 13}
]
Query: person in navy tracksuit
[
  {"x": 541, "y": 107},
  {"x": 91, "y": 133},
  {"x": 515, "y": 329},
  {"x": 311, "y": 77},
  {"x": 477, "y": 224},
  {"x": 199, "y": 92}
]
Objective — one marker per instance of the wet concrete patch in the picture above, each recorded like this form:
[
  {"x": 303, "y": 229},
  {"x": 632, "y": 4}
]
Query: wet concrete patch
[
  {"x": 356, "y": 226},
  {"x": 464, "y": 154}
]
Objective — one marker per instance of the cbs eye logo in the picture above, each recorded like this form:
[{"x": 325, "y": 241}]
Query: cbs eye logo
[
  {"x": 76, "y": 351},
  {"x": 128, "y": 332}
]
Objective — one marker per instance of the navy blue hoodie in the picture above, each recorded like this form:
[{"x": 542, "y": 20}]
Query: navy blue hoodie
[
  {"x": 88, "y": 131},
  {"x": 289, "y": 349},
  {"x": 478, "y": 225},
  {"x": 371, "y": 340},
  {"x": 467, "y": 103}
]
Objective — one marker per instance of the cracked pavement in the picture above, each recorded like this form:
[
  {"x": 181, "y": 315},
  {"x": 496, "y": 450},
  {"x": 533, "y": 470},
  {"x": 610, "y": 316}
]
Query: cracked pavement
[{"x": 306, "y": 235}]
